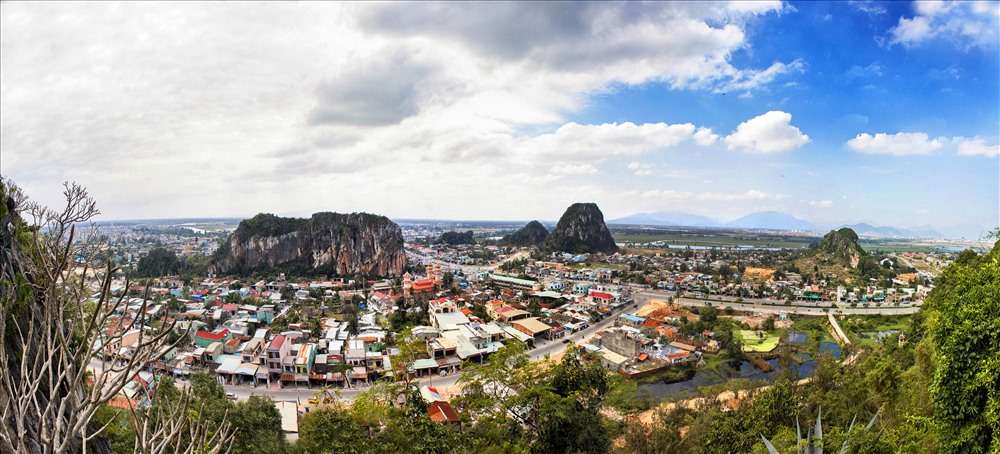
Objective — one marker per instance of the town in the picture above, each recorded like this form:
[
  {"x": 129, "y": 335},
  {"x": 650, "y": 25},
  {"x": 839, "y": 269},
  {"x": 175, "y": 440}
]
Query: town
[{"x": 646, "y": 311}]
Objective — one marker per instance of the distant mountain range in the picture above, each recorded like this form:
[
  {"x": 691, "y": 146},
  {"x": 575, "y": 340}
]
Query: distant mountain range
[
  {"x": 770, "y": 220},
  {"x": 667, "y": 218},
  {"x": 925, "y": 231},
  {"x": 774, "y": 220},
  {"x": 762, "y": 220}
]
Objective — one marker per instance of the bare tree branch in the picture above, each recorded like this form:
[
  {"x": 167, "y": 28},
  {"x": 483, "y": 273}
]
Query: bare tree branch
[{"x": 58, "y": 311}]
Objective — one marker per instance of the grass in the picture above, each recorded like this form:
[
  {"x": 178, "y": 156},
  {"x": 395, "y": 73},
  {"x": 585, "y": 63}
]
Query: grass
[{"x": 751, "y": 343}]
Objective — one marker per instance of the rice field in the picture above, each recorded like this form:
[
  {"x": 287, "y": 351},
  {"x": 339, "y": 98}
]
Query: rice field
[{"x": 752, "y": 343}]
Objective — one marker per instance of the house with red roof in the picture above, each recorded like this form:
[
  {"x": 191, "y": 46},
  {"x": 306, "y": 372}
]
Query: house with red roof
[
  {"x": 277, "y": 350},
  {"x": 602, "y": 297},
  {"x": 442, "y": 412},
  {"x": 206, "y": 338}
]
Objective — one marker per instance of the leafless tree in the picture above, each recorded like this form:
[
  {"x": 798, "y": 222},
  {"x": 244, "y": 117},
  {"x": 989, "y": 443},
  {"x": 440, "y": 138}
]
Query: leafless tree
[
  {"x": 56, "y": 309},
  {"x": 166, "y": 429}
]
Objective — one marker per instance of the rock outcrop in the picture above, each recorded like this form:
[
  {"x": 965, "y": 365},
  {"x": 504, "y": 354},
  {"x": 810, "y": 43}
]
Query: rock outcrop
[
  {"x": 531, "y": 234},
  {"x": 329, "y": 243},
  {"x": 581, "y": 230},
  {"x": 454, "y": 238},
  {"x": 843, "y": 246}
]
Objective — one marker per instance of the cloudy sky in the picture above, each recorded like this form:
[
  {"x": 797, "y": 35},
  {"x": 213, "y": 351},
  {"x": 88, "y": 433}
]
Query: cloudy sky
[{"x": 832, "y": 112}]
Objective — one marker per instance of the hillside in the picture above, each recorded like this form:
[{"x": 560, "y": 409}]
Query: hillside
[
  {"x": 328, "y": 243},
  {"x": 838, "y": 255},
  {"x": 531, "y": 234},
  {"x": 454, "y": 238},
  {"x": 580, "y": 230}
]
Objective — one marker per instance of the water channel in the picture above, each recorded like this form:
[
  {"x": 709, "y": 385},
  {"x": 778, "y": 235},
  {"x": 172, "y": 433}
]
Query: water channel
[{"x": 805, "y": 364}]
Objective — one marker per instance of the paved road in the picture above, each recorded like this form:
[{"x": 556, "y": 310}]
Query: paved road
[{"x": 777, "y": 307}]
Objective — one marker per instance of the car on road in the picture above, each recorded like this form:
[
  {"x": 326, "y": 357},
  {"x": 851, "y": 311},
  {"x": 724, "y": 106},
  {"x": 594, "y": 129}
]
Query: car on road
[
  {"x": 231, "y": 396},
  {"x": 565, "y": 341}
]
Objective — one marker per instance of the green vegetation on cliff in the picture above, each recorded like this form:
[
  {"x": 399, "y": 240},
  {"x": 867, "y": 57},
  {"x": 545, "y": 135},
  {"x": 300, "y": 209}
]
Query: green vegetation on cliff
[
  {"x": 581, "y": 230},
  {"x": 266, "y": 224},
  {"x": 531, "y": 234},
  {"x": 454, "y": 238}
]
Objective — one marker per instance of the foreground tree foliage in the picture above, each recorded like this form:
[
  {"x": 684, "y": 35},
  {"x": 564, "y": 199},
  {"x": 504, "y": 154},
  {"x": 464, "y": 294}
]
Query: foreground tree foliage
[
  {"x": 55, "y": 302},
  {"x": 964, "y": 328},
  {"x": 936, "y": 390}
]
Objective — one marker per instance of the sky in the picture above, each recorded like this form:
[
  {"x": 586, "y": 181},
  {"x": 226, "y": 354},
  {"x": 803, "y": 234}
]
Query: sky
[{"x": 834, "y": 112}]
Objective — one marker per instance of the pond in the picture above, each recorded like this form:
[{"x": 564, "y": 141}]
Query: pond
[{"x": 706, "y": 377}]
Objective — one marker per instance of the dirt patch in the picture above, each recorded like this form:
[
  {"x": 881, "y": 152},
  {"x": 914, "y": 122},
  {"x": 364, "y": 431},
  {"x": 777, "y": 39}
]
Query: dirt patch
[
  {"x": 758, "y": 274},
  {"x": 663, "y": 310},
  {"x": 651, "y": 307}
]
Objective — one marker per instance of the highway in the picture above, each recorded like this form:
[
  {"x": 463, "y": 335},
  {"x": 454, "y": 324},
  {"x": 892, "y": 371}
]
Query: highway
[{"x": 777, "y": 307}]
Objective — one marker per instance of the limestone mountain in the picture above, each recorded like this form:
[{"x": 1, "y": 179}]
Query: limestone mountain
[
  {"x": 531, "y": 234},
  {"x": 842, "y": 245},
  {"x": 838, "y": 256},
  {"x": 454, "y": 238},
  {"x": 580, "y": 230},
  {"x": 328, "y": 243}
]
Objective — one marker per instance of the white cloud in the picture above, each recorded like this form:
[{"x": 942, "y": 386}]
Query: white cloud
[
  {"x": 751, "y": 79},
  {"x": 755, "y": 7},
  {"x": 292, "y": 93},
  {"x": 976, "y": 147},
  {"x": 868, "y": 7},
  {"x": 820, "y": 203},
  {"x": 771, "y": 132},
  {"x": 964, "y": 24},
  {"x": 576, "y": 142},
  {"x": 705, "y": 137},
  {"x": 899, "y": 144},
  {"x": 918, "y": 143},
  {"x": 639, "y": 169},
  {"x": 588, "y": 44},
  {"x": 573, "y": 169}
]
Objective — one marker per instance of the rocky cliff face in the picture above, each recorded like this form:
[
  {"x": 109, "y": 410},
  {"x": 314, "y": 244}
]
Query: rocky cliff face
[
  {"x": 531, "y": 234},
  {"x": 330, "y": 243},
  {"x": 581, "y": 229}
]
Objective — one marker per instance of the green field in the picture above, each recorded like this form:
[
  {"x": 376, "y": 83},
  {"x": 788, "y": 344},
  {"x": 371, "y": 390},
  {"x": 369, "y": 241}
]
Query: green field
[{"x": 751, "y": 343}]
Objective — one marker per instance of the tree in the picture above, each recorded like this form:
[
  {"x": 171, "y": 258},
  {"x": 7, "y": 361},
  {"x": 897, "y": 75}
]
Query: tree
[
  {"x": 331, "y": 429},
  {"x": 567, "y": 416},
  {"x": 534, "y": 307},
  {"x": 663, "y": 435},
  {"x": 709, "y": 314},
  {"x": 192, "y": 420},
  {"x": 488, "y": 389},
  {"x": 258, "y": 424},
  {"x": 966, "y": 334},
  {"x": 158, "y": 262},
  {"x": 53, "y": 329},
  {"x": 287, "y": 292}
]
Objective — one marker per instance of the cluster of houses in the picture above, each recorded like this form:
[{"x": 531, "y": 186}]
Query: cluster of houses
[{"x": 642, "y": 345}]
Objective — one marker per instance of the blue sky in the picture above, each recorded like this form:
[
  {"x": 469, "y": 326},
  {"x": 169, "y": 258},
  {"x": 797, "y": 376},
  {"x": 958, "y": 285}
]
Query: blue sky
[{"x": 885, "y": 112}]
